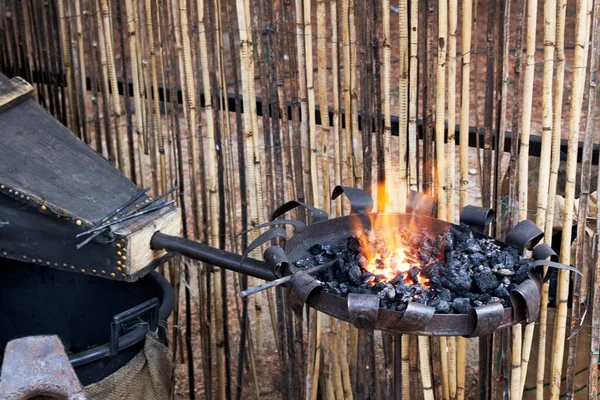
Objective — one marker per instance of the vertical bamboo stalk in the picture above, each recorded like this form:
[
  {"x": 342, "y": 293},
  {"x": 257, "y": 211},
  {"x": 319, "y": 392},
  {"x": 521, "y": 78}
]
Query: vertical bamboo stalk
[
  {"x": 386, "y": 106},
  {"x": 413, "y": 86},
  {"x": 595, "y": 279},
  {"x": 82, "y": 69},
  {"x": 445, "y": 367},
  {"x": 406, "y": 372},
  {"x": 440, "y": 103},
  {"x": 406, "y": 139},
  {"x": 425, "y": 368},
  {"x": 211, "y": 171},
  {"x": 354, "y": 96},
  {"x": 488, "y": 123},
  {"x": 465, "y": 101},
  {"x": 347, "y": 91},
  {"x": 451, "y": 147},
  {"x": 582, "y": 216},
  {"x": 461, "y": 360},
  {"x": 66, "y": 56},
  {"x": 323, "y": 151},
  {"x": 527, "y": 105},
  {"x": 337, "y": 131},
  {"x": 579, "y": 71},
  {"x": 554, "y": 167}
]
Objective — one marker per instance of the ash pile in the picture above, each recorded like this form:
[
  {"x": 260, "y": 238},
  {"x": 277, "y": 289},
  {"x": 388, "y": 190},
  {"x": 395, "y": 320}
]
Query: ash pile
[{"x": 450, "y": 272}]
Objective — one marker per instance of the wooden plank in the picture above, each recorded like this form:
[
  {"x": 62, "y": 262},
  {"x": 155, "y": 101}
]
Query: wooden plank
[{"x": 13, "y": 92}]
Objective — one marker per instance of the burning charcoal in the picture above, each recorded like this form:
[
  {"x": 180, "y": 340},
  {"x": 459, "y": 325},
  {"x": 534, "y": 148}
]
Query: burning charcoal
[
  {"x": 484, "y": 298},
  {"x": 486, "y": 280},
  {"x": 401, "y": 288},
  {"x": 388, "y": 292},
  {"x": 473, "y": 246},
  {"x": 355, "y": 274},
  {"x": 458, "y": 281},
  {"x": 461, "y": 305},
  {"x": 367, "y": 277},
  {"x": 362, "y": 261},
  {"x": 380, "y": 278},
  {"x": 444, "y": 294},
  {"x": 413, "y": 274},
  {"x": 524, "y": 266},
  {"x": 441, "y": 306},
  {"x": 501, "y": 291},
  {"x": 321, "y": 259},
  {"x": 431, "y": 270},
  {"x": 305, "y": 263},
  {"x": 397, "y": 279},
  {"x": 316, "y": 249}
]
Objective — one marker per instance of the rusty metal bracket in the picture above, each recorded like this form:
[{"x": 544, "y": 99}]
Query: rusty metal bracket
[
  {"x": 526, "y": 297},
  {"x": 477, "y": 217},
  {"x": 487, "y": 318},
  {"x": 265, "y": 237},
  {"x": 416, "y": 315},
  {"x": 360, "y": 201},
  {"x": 38, "y": 366},
  {"x": 278, "y": 261},
  {"x": 421, "y": 204},
  {"x": 318, "y": 215},
  {"x": 523, "y": 233},
  {"x": 304, "y": 286},
  {"x": 363, "y": 309}
]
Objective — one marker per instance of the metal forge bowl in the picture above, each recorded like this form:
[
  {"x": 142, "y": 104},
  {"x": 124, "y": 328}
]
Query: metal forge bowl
[{"x": 363, "y": 310}]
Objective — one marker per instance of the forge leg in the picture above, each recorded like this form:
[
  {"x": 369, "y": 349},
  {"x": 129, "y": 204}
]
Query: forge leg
[{"x": 485, "y": 367}]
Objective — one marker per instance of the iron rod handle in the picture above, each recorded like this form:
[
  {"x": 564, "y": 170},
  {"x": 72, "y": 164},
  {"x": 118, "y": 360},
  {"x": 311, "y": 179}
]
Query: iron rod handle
[{"x": 212, "y": 256}]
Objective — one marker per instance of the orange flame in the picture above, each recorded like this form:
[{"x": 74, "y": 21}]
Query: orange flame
[{"x": 385, "y": 251}]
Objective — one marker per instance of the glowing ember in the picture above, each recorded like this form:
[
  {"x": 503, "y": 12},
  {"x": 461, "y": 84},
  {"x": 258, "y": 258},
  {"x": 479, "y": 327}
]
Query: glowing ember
[{"x": 391, "y": 254}]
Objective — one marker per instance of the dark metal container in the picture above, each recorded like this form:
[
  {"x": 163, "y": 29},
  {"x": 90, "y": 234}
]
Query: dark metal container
[{"x": 102, "y": 323}]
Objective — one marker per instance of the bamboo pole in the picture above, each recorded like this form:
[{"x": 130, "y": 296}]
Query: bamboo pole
[
  {"x": 554, "y": 167},
  {"x": 211, "y": 159},
  {"x": 461, "y": 360},
  {"x": 338, "y": 151},
  {"x": 323, "y": 150},
  {"x": 406, "y": 139},
  {"x": 451, "y": 147},
  {"x": 579, "y": 71},
  {"x": 82, "y": 74},
  {"x": 66, "y": 56},
  {"x": 357, "y": 176},
  {"x": 465, "y": 101},
  {"x": 527, "y": 105},
  {"x": 413, "y": 87},
  {"x": 545, "y": 153},
  {"x": 405, "y": 367},
  {"x": 579, "y": 283},
  {"x": 488, "y": 118},
  {"x": 425, "y": 368},
  {"x": 595, "y": 279}
]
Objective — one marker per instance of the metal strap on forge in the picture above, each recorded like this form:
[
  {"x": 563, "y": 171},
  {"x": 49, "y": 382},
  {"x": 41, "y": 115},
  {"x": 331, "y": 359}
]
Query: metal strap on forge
[{"x": 363, "y": 309}]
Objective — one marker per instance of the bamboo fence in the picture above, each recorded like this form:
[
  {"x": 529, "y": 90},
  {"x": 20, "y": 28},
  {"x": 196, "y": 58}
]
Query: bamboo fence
[{"x": 245, "y": 104}]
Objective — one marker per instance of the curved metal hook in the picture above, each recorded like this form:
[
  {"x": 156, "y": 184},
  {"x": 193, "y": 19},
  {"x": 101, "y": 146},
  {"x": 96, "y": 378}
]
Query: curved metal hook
[
  {"x": 477, "y": 217},
  {"x": 360, "y": 201},
  {"x": 264, "y": 238},
  {"x": 317, "y": 214},
  {"x": 524, "y": 232},
  {"x": 298, "y": 225}
]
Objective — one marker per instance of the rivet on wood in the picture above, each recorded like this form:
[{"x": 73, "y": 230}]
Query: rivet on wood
[
  {"x": 124, "y": 250},
  {"x": 112, "y": 274},
  {"x": 72, "y": 267},
  {"x": 78, "y": 223},
  {"x": 103, "y": 272},
  {"x": 119, "y": 269},
  {"x": 124, "y": 276},
  {"x": 82, "y": 270},
  {"x": 118, "y": 245},
  {"x": 44, "y": 208},
  {"x": 4, "y": 253},
  {"x": 24, "y": 257},
  {"x": 93, "y": 271},
  {"x": 119, "y": 253},
  {"x": 118, "y": 262},
  {"x": 124, "y": 258},
  {"x": 2, "y": 187}
]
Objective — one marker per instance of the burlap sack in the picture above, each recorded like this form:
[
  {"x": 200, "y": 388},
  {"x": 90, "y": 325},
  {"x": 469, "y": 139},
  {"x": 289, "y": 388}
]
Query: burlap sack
[{"x": 146, "y": 377}]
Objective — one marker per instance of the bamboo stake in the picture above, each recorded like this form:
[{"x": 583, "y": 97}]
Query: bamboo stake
[
  {"x": 465, "y": 101},
  {"x": 445, "y": 367},
  {"x": 545, "y": 154},
  {"x": 592, "y": 109},
  {"x": 387, "y": 120},
  {"x": 461, "y": 360},
  {"x": 323, "y": 151},
  {"x": 66, "y": 56},
  {"x": 527, "y": 104},
  {"x": 354, "y": 96},
  {"x": 425, "y": 368},
  {"x": 451, "y": 147},
  {"x": 405, "y": 138},
  {"x": 347, "y": 91},
  {"x": 310, "y": 94},
  {"x": 440, "y": 167},
  {"x": 213, "y": 197},
  {"x": 337, "y": 131},
  {"x": 582, "y": 216},
  {"x": 413, "y": 86},
  {"x": 81, "y": 69},
  {"x": 406, "y": 371},
  {"x": 579, "y": 70},
  {"x": 428, "y": 82},
  {"x": 488, "y": 120}
]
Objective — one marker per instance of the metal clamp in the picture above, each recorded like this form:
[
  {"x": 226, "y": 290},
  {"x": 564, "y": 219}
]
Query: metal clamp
[
  {"x": 363, "y": 309},
  {"x": 360, "y": 201},
  {"x": 276, "y": 258},
  {"x": 487, "y": 318},
  {"x": 151, "y": 306},
  {"x": 477, "y": 217},
  {"x": 317, "y": 214},
  {"x": 523, "y": 233},
  {"x": 38, "y": 366},
  {"x": 304, "y": 286},
  {"x": 416, "y": 316},
  {"x": 526, "y": 296}
]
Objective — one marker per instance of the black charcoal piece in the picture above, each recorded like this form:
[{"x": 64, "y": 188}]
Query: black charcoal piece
[
  {"x": 458, "y": 281},
  {"x": 441, "y": 306},
  {"x": 462, "y": 305},
  {"x": 316, "y": 249},
  {"x": 413, "y": 274},
  {"x": 355, "y": 274},
  {"x": 305, "y": 263},
  {"x": 485, "y": 280},
  {"x": 321, "y": 259},
  {"x": 501, "y": 291}
]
